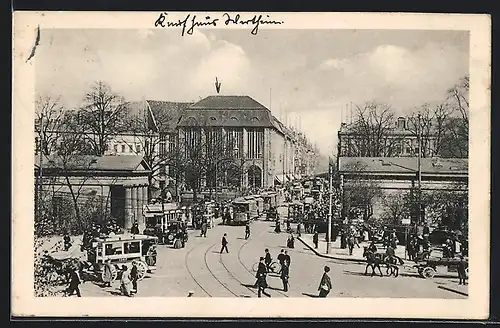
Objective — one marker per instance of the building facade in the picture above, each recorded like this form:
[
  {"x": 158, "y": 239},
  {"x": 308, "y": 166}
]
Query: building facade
[
  {"x": 261, "y": 145},
  {"x": 380, "y": 178},
  {"x": 400, "y": 140}
]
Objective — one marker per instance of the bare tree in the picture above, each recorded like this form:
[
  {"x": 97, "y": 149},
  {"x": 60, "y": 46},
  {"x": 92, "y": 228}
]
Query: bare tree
[
  {"x": 202, "y": 154},
  {"x": 395, "y": 207},
  {"x": 103, "y": 116},
  {"x": 70, "y": 155},
  {"x": 361, "y": 191},
  {"x": 48, "y": 121},
  {"x": 154, "y": 136},
  {"x": 371, "y": 132}
]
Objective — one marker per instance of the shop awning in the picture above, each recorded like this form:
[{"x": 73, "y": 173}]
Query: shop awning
[{"x": 280, "y": 178}]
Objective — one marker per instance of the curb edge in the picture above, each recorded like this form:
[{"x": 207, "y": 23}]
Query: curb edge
[{"x": 329, "y": 256}]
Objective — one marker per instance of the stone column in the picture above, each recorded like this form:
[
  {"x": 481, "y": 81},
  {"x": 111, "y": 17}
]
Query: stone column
[
  {"x": 138, "y": 204},
  {"x": 144, "y": 197},
  {"x": 128, "y": 209},
  {"x": 134, "y": 203}
]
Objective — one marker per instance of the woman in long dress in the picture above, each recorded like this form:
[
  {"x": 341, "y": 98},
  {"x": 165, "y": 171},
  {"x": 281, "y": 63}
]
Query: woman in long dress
[
  {"x": 126, "y": 282},
  {"x": 108, "y": 273}
]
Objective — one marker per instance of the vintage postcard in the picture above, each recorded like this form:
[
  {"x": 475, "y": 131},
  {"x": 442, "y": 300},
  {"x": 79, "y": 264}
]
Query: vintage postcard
[{"x": 330, "y": 164}]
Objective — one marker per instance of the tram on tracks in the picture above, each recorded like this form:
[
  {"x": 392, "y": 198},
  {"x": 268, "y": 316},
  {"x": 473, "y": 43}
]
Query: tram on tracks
[{"x": 165, "y": 222}]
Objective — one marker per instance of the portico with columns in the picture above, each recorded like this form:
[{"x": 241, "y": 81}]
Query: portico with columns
[{"x": 120, "y": 182}]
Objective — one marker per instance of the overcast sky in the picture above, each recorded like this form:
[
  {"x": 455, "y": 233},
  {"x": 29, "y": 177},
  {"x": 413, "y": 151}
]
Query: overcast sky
[{"x": 311, "y": 73}]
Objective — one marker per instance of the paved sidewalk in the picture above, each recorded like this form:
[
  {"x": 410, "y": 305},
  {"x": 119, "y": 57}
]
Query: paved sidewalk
[{"x": 339, "y": 253}]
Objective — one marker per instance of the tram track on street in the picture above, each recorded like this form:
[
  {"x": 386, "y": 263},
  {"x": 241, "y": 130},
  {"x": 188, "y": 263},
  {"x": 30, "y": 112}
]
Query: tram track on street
[
  {"x": 212, "y": 273},
  {"x": 191, "y": 274},
  {"x": 250, "y": 271}
]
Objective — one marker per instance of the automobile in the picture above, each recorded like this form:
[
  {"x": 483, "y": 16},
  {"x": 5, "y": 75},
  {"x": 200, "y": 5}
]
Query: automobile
[
  {"x": 439, "y": 236},
  {"x": 123, "y": 249}
]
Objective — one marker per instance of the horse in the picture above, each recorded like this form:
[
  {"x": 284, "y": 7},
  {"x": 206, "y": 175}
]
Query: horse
[
  {"x": 373, "y": 260},
  {"x": 391, "y": 263}
]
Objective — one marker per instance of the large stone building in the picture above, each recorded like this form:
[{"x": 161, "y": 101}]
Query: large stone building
[
  {"x": 383, "y": 140},
  {"x": 263, "y": 145}
]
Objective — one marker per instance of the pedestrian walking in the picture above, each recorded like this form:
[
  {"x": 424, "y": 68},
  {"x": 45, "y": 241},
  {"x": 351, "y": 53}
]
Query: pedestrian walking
[
  {"x": 126, "y": 282},
  {"x": 204, "y": 228},
  {"x": 224, "y": 244},
  {"x": 290, "y": 243},
  {"x": 261, "y": 279},
  {"x": 326, "y": 284},
  {"x": 108, "y": 273},
  {"x": 281, "y": 257},
  {"x": 287, "y": 259},
  {"x": 74, "y": 283},
  {"x": 268, "y": 259},
  {"x": 299, "y": 228},
  {"x": 67, "y": 241},
  {"x": 134, "y": 277},
  {"x": 277, "y": 227},
  {"x": 350, "y": 243},
  {"x": 135, "y": 229},
  {"x": 284, "y": 275},
  {"x": 247, "y": 230},
  {"x": 315, "y": 239},
  {"x": 462, "y": 275}
]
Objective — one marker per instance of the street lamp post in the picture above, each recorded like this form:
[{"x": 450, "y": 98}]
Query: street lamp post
[{"x": 329, "y": 232}]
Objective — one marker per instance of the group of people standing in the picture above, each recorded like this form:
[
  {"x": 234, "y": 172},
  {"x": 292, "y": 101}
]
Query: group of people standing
[{"x": 265, "y": 267}]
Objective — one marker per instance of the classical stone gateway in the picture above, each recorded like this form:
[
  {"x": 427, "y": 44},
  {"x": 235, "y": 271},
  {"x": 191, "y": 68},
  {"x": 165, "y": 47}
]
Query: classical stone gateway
[{"x": 120, "y": 182}]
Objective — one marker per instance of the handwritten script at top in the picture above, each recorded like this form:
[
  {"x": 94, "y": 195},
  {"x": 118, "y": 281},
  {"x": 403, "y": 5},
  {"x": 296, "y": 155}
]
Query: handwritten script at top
[{"x": 190, "y": 22}]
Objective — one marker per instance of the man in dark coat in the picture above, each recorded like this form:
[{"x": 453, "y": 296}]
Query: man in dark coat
[
  {"x": 461, "y": 267},
  {"x": 261, "y": 278},
  {"x": 315, "y": 239},
  {"x": 326, "y": 284},
  {"x": 134, "y": 276},
  {"x": 268, "y": 259},
  {"x": 74, "y": 283},
  {"x": 247, "y": 230},
  {"x": 135, "y": 229},
  {"x": 281, "y": 259},
  {"x": 224, "y": 244},
  {"x": 284, "y": 277},
  {"x": 287, "y": 259}
]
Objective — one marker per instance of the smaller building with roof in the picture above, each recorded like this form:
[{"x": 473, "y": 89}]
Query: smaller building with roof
[{"x": 119, "y": 183}]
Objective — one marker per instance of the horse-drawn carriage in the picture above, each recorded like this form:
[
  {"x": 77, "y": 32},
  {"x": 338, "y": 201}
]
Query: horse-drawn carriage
[{"x": 433, "y": 262}]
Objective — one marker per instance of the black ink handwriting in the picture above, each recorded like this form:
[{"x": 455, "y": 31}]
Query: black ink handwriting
[
  {"x": 208, "y": 21},
  {"x": 255, "y": 21}
]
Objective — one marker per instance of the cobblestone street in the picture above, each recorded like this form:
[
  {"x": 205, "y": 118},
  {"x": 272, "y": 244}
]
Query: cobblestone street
[{"x": 202, "y": 269}]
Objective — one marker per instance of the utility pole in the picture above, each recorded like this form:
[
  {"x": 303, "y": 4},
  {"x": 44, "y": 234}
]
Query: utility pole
[
  {"x": 329, "y": 232},
  {"x": 419, "y": 172}
]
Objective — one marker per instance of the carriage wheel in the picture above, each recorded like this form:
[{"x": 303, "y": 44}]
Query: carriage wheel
[
  {"x": 114, "y": 274},
  {"x": 255, "y": 267},
  {"x": 428, "y": 273},
  {"x": 274, "y": 267},
  {"x": 141, "y": 270},
  {"x": 170, "y": 237}
]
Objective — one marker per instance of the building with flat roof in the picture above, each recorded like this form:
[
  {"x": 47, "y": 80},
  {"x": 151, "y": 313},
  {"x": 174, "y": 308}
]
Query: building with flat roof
[
  {"x": 387, "y": 176},
  {"x": 118, "y": 183}
]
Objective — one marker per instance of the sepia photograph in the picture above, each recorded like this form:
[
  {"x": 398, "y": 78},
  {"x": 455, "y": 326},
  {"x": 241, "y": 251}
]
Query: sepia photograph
[{"x": 197, "y": 155}]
